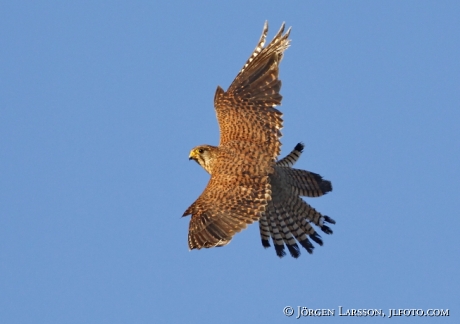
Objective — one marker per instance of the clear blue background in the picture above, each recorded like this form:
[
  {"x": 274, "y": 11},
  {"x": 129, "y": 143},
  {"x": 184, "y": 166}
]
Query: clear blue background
[{"x": 101, "y": 101}]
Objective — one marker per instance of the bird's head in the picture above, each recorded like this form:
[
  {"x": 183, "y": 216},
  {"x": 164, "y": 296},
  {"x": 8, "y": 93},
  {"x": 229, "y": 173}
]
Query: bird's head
[{"x": 204, "y": 155}]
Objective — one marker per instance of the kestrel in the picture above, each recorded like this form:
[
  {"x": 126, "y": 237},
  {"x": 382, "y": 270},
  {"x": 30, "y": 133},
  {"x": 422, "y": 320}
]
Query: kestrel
[{"x": 248, "y": 183}]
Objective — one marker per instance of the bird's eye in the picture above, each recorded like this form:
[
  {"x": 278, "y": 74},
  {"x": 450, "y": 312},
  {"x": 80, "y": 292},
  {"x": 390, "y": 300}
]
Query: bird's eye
[{"x": 200, "y": 151}]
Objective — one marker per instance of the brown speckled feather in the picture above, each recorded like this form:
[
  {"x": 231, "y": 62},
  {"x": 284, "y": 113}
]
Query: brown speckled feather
[
  {"x": 239, "y": 188},
  {"x": 247, "y": 182},
  {"x": 235, "y": 196},
  {"x": 246, "y": 111}
]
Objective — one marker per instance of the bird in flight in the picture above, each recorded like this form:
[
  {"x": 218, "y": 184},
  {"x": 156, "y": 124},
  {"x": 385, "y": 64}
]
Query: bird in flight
[{"x": 248, "y": 183}]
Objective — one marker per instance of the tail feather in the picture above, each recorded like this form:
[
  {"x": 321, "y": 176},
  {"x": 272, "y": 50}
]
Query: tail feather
[
  {"x": 287, "y": 236},
  {"x": 264, "y": 231},
  {"x": 305, "y": 183},
  {"x": 275, "y": 233},
  {"x": 298, "y": 233},
  {"x": 289, "y": 160},
  {"x": 289, "y": 219}
]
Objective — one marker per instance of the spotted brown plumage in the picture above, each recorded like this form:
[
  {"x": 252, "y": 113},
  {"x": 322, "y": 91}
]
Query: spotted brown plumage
[{"x": 247, "y": 182}]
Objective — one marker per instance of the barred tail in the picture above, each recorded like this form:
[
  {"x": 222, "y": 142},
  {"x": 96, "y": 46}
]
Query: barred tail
[{"x": 289, "y": 220}]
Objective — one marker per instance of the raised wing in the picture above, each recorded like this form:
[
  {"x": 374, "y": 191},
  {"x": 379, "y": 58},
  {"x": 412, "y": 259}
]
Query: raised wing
[{"x": 245, "y": 112}]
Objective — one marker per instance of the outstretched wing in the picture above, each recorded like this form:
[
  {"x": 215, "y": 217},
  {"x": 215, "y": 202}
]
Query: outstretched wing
[
  {"x": 245, "y": 112},
  {"x": 239, "y": 188},
  {"x": 228, "y": 204}
]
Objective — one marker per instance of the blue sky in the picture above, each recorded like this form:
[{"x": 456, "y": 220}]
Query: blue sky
[{"x": 100, "y": 103}]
